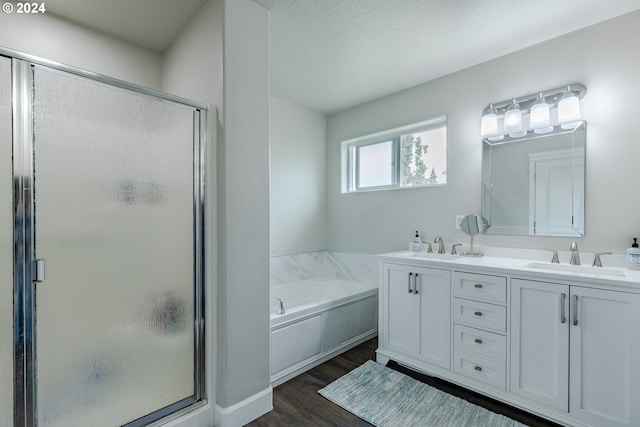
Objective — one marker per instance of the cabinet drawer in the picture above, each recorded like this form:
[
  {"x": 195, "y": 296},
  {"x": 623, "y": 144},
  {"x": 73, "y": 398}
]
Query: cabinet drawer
[
  {"x": 480, "y": 314},
  {"x": 480, "y": 342},
  {"x": 480, "y": 287},
  {"x": 479, "y": 368}
]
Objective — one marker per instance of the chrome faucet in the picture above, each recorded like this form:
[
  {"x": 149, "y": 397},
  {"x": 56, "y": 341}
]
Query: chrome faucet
[
  {"x": 596, "y": 261},
  {"x": 575, "y": 256},
  {"x": 440, "y": 243},
  {"x": 281, "y": 309},
  {"x": 453, "y": 248},
  {"x": 554, "y": 257}
]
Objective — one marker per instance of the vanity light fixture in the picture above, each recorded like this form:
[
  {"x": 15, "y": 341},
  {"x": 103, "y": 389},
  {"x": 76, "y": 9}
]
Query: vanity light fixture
[{"x": 538, "y": 113}]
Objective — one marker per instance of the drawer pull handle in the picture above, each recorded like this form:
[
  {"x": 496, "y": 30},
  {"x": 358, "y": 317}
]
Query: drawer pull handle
[
  {"x": 478, "y": 341},
  {"x": 478, "y": 313},
  {"x": 478, "y": 368},
  {"x": 478, "y": 286}
]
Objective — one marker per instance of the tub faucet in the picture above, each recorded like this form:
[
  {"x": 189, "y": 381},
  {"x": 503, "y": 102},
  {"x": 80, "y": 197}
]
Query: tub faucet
[
  {"x": 440, "y": 243},
  {"x": 281, "y": 309},
  {"x": 575, "y": 256}
]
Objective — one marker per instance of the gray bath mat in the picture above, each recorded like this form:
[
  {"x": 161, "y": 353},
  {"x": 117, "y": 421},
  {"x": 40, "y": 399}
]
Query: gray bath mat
[{"x": 386, "y": 398}]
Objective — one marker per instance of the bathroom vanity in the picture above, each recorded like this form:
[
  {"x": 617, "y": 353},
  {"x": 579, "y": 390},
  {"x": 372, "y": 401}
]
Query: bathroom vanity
[{"x": 556, "y": 340}]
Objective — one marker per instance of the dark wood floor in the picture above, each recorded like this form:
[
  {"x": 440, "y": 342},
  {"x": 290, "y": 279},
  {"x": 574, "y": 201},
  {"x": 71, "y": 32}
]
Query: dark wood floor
[{"x": 297, "y": 403}]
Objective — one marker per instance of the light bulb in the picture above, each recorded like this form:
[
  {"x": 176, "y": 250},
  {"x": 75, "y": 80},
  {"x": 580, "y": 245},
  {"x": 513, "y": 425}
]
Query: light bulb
[
  {"x": 569, "y": 110},
  {"x": 489, "y": 124},
  {"x": 539, "y": 116},
  {"x": 513, "y": 118}
]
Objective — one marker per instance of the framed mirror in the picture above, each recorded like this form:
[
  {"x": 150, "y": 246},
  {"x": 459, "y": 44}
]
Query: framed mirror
[{"x": 534, "y": 185}]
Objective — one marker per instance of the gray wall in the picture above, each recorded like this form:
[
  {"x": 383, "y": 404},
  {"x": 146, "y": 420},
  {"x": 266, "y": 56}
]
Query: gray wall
[
  {"x": 298, "y": 141},
  {"x": 601, "y": 57},
  {"x": 243, "y": 197},
  {"x": 61, "y": 41}
]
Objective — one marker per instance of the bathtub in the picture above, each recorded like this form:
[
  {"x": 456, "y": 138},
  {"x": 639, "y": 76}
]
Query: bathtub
[{"x": 323, "y": 318}]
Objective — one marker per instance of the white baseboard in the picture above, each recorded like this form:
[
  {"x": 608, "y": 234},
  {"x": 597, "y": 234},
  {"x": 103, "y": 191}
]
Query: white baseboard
[{"x": 243, "y": 412}]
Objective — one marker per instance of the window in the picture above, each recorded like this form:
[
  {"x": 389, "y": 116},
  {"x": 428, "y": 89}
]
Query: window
[{"x": 411, "y": 156}]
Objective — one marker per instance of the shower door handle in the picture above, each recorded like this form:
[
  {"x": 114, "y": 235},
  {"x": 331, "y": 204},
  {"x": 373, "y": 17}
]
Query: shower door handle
[{"x": 38, "y": 270}]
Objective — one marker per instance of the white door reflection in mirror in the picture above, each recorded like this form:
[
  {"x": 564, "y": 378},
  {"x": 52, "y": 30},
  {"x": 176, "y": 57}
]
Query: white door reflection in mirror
[{"x": 553, "y": 200}]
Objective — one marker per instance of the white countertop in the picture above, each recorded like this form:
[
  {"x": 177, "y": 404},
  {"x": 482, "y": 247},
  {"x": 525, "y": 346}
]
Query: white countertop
[{"x": 537, "y": 263}]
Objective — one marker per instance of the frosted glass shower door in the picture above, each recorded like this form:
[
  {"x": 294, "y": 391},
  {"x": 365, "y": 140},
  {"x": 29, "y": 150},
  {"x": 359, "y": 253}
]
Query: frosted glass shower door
[
  {"x": 6, "y": 247},
  {"x": 114, "y": 222}
]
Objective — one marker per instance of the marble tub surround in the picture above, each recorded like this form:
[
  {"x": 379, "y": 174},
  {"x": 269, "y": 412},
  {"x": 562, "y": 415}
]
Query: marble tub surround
[{"x": 324, "y": 265}]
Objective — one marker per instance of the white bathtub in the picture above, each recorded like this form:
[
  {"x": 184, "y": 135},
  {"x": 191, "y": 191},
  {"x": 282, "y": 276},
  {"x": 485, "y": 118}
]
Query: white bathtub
[{"x": 323, "y": 317}]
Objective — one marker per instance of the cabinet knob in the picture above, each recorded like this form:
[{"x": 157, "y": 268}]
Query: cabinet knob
[
  {"x": 478, "y": 286},
  {"x": 478, "y": 313},
  {"x": 478, "y": 341},
  {"x": 478, "y": 368}
]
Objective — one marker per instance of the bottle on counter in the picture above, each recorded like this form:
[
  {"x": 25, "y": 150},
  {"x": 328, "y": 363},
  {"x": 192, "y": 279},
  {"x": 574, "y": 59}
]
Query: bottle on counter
[
  {"x": 416, "y": 243},
  {"x": 633, "y": 255}
]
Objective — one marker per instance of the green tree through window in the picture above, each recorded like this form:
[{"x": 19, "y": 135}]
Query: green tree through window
[{"x": 413, "y": 167}]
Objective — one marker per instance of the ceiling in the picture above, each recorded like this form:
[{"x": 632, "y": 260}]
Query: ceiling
[
  {"x": 152, "y": 24},
  {"x": 329, "y": 55}
]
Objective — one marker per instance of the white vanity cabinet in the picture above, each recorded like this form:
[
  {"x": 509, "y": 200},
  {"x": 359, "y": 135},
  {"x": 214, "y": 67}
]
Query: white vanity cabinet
[
  {"x": 416, "y": 313},
  {"x": 577, "y": 349},
  {"x": 560, "y": 345}
]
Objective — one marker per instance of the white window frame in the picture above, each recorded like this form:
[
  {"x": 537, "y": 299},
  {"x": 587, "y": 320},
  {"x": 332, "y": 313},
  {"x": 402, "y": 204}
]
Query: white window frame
[{"x": 350, "y": 159}]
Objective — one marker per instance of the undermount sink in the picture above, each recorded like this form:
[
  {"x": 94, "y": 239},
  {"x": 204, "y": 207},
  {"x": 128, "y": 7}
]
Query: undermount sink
[
  {"x": 429, "y": 255},
  {"x": 580, "y": 269}
]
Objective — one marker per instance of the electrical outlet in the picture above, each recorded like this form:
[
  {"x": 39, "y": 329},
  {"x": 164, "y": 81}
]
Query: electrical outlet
[{"x": 458, "y": 221}]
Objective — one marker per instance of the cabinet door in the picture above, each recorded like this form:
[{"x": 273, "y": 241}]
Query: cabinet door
[
  {"x": 605, "y": 353},
  {"x": 397, "y": 301},
  {"x": 540, "y": 342},
  {"x": 434, "y": 293}
]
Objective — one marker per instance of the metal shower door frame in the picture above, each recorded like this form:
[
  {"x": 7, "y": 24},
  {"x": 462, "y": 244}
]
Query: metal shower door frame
[{"x": 24, "y": 251}]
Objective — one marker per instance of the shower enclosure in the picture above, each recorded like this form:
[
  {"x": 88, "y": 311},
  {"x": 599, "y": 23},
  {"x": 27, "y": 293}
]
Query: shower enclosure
[{"x": 101, "y": 249}]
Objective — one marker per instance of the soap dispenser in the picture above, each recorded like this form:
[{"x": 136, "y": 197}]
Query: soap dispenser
[
  {"x": 633, "y": 255},
  {"x": 416, "y": 243}
]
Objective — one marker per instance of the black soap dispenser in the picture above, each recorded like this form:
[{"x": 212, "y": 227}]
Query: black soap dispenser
[
  {"x": 416, "y": 243},
  {"x": 633, "y": 256}
]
